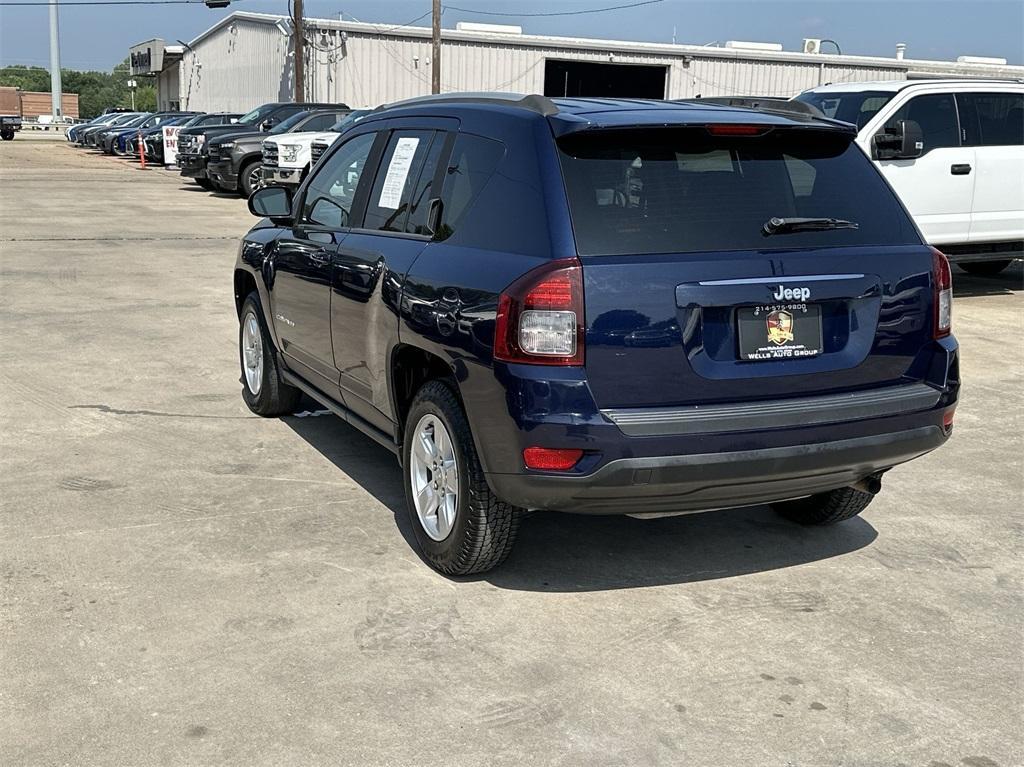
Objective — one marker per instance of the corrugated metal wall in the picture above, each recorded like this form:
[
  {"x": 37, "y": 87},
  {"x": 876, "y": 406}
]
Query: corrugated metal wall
[
  {"x": 371, "y": 70},
  {"x": 36, "y": 103},
  {"x": 168, "y": 88},
  {"x": 10, "y": 100},
  {"x": 236, "y": 68},
  {"x": 750, "y": 77},
  {"x": 246, "y": 62}
]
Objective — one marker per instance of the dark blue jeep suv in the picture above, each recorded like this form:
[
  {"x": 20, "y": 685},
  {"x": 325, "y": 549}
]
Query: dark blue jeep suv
[{"x": 601, "y": 306}]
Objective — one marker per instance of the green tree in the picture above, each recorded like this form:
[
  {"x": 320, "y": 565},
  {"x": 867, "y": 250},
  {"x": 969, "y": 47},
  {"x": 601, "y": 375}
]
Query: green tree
[
  {"x": 145, "y": 98},
  {"x": 96, "y": 90},
  {"x": 26, "y": 78}
]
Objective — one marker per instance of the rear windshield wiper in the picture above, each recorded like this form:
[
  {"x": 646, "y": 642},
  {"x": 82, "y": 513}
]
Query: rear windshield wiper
[{"x": 787, "y": 225}]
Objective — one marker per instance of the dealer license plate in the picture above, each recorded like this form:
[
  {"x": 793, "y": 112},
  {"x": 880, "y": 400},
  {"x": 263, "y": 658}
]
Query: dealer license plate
[{"x": 779, "y": 331}]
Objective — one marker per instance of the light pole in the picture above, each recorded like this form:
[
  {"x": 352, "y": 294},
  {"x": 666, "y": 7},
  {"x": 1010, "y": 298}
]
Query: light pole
[
  {"x": 435, "y": 48},
  {"x": 132, "y": 85},
  {"x": 55, "y": 85}
]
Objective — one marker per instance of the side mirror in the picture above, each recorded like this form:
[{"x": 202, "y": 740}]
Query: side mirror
[
  {"x": 903, "y": 141},
  {"x": 267, "y": 124},
  {"x": 273, "y": 202}
]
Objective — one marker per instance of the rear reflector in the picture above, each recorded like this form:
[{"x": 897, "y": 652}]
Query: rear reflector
[
  {"x": 947, "y": 419},
  {"x": 731, "y": 129},
  {"x": 551, "y": 458}
]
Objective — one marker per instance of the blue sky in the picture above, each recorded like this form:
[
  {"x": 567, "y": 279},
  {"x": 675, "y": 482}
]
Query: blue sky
[{"x": 99, "y": 37}]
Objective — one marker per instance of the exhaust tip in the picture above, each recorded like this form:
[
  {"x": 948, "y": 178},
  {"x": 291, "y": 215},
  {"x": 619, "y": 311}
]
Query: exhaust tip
[{"x": 871, "y": 485}]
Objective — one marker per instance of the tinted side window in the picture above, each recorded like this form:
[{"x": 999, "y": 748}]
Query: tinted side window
[
  {"x": 992, "y": 119},
  {"x": 936, "y": 114},
  {"x": 422, "y": 193},
  {"x": 388, "y": 206},
  {"x": 320, "y": 122},
  {"x": 285, "y": 112},
  {"x": 332, "y": 191},
  {"x": 471, "y": 165}
]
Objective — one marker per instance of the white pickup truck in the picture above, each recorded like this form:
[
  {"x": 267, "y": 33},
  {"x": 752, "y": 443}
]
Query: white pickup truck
[
  {"x": 286, "y": 158},
  {"x": 954, "y": 152}
]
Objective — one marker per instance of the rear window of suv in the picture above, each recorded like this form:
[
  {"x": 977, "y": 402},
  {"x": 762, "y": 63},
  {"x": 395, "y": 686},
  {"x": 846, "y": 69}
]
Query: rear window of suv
[{"x": 675, "y": 190}]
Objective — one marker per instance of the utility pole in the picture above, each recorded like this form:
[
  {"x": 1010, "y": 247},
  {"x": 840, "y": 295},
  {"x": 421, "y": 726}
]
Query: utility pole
[
  {"x": 55, "y": 85},
  {"x": 435, "y": 55},
  {"x": 300, "y": 52}
]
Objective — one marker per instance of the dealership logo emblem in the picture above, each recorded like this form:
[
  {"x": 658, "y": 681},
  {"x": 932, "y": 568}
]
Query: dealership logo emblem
[{"x": 780, "y": 327}]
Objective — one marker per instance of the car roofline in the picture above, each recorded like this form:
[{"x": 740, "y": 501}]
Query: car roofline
[
  {"x": 896, "y": 86},
  {"x": 569, "y": 115}
]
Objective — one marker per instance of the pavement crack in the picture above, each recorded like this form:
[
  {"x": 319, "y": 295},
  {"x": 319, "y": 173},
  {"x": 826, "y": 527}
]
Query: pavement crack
[{"x": 154, "y": 413}]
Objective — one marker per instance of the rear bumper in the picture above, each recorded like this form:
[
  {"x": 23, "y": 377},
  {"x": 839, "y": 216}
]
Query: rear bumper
[
  {"x": 699, "y": 457},
  {"x": 703, "y": 481}
]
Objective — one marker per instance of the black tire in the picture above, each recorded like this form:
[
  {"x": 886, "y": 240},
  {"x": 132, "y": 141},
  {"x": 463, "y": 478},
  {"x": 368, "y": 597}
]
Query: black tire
[
  {"x": 245, "y": 184},
  {"x": 485, "y": 527},
  {"x": 986, "y": 268},
  {"x": 205, "y": 183},
  {"x": 7, "y": 135},
  {"x": 275, "y": 397},
  {"x": 825, "y": 508}
]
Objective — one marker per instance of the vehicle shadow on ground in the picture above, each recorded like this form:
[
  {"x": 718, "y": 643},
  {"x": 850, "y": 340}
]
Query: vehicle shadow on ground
[
  {"x": 1007, "y": 282},
  {"x": 211, "y": 192},
  {"x": 569, "y": 552}
]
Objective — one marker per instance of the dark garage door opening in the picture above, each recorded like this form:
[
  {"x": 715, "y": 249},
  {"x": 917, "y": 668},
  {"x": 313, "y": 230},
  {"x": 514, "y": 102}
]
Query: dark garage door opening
[{"x": 594, "y": 79}]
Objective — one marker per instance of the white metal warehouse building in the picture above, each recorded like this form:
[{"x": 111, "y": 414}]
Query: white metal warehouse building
[{"x": 246, "y": 59}]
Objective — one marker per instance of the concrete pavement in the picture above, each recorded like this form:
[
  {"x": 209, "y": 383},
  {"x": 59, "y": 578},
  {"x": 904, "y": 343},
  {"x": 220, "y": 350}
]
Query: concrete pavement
[{"x": 184, "y": 583}]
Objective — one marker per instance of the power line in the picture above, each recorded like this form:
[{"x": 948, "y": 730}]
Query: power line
[
  {"x": 406, "y": 24},
  {"x": 63, "y": 3},
  {"x": 386, "y": 29},
  {"x": 553, "y": 13}
]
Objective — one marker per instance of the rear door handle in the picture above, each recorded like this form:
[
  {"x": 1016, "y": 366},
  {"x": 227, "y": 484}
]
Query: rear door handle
[{"x": 960, "y": 169}]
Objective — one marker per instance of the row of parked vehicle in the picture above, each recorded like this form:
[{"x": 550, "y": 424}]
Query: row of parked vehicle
[
  {"x": 120, "y": 133},
  {"x": 952, "y": 150},
  {"x": 273, "y": 144},
  {"x": 234, "y": 159}
]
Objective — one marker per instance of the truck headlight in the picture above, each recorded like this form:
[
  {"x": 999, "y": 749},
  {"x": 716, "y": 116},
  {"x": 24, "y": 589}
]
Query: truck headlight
[{"x": 289, "y": 152}]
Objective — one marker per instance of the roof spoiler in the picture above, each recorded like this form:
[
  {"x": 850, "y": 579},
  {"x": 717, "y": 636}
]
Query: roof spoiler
[{"x": 765, "y": 104}]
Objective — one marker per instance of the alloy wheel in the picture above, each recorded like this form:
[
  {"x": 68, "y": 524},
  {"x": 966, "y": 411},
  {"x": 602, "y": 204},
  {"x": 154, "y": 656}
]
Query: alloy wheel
[
  {"x": 252, "y": 352},
  {"x": 434, "y": 473}
]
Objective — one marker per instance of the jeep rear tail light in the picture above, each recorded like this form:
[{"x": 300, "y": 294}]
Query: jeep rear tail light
[
  {"x": 943, "y": 298},
  {"x": 540, "y": 316}
]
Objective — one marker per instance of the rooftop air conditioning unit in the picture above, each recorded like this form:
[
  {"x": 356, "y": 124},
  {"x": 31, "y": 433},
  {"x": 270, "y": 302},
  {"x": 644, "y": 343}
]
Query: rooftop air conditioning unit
[
  {"x": 981, "y": 60},
  {"x": 747, "y": 45},
  {"x": 812, "y": 45},
  {"x": 497, "y": 29}
]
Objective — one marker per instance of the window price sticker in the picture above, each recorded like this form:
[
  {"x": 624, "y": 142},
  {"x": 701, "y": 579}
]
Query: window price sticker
[{"x": 398, "y": 172}]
